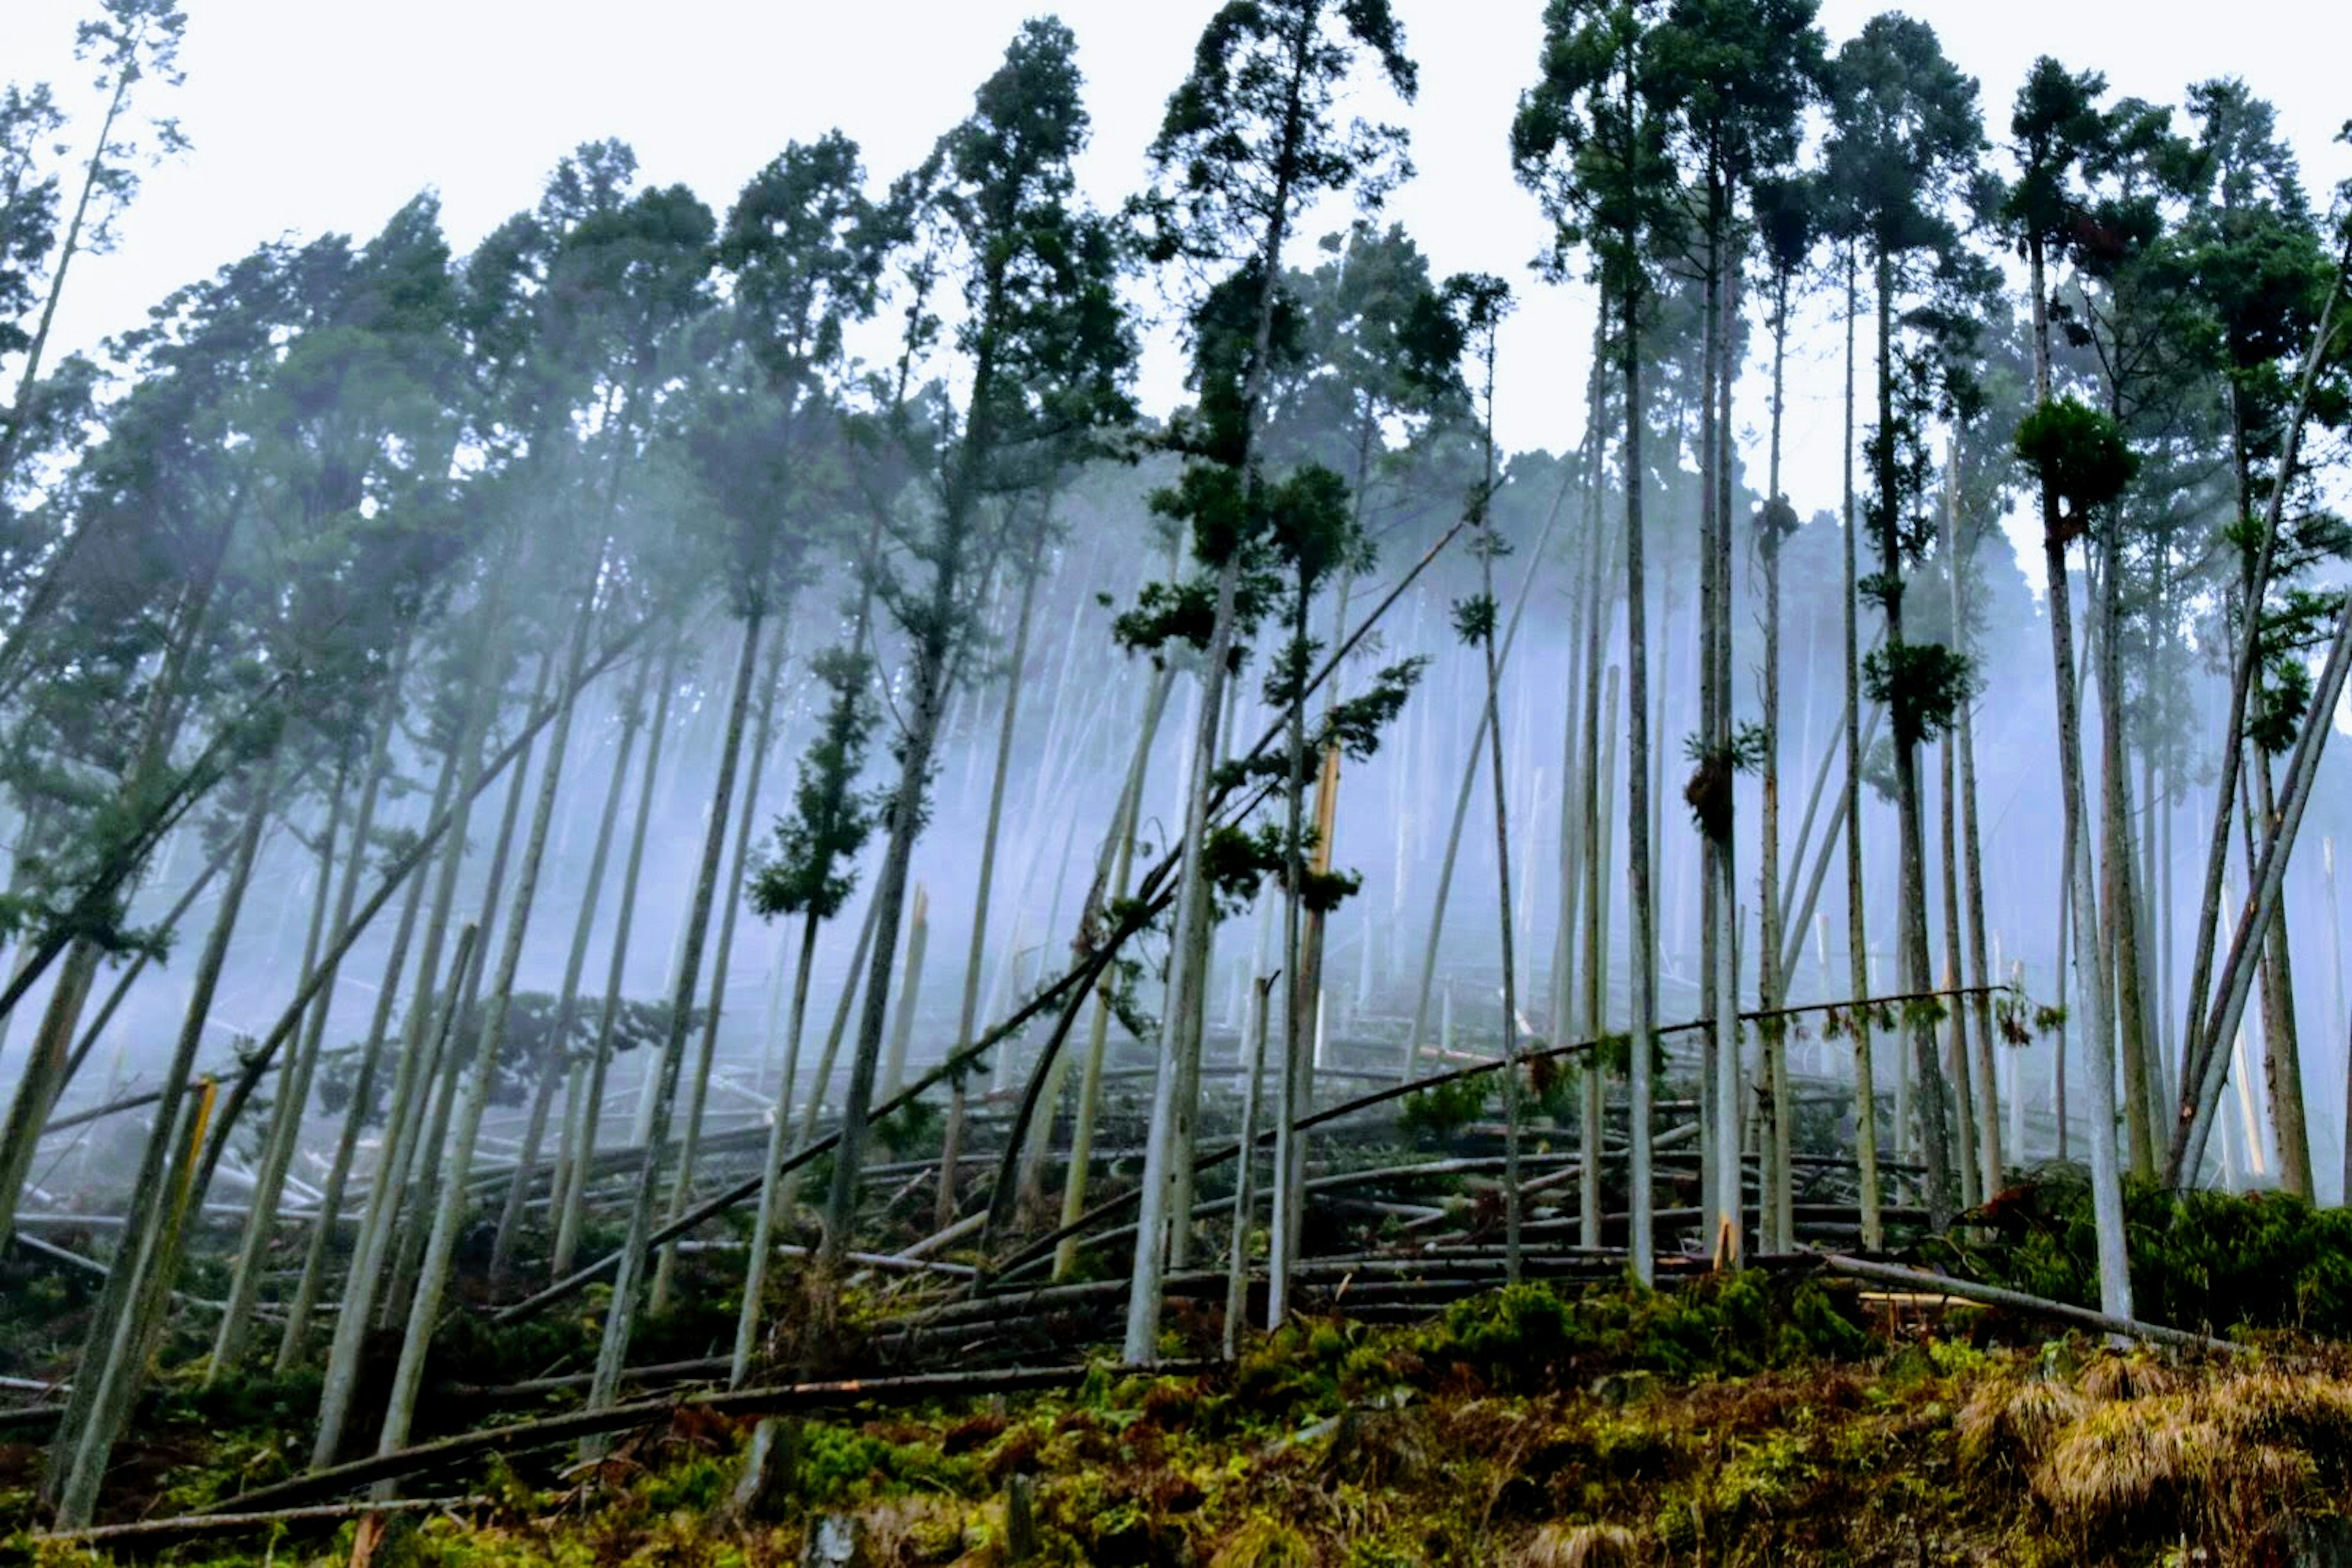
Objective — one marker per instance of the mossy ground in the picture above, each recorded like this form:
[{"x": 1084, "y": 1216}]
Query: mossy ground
[{"x": 1742, "y": 1422}]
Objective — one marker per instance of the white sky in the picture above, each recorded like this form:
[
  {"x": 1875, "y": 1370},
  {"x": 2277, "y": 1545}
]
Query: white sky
[{"x": 317, "y": 115}]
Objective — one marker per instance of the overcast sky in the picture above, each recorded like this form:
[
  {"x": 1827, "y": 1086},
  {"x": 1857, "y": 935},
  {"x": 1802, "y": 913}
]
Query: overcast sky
[{"x": 311, "y": 116}]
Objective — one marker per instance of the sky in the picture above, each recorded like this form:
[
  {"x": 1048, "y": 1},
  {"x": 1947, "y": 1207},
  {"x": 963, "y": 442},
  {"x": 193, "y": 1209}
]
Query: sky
[{"x": 310, "y": 117}]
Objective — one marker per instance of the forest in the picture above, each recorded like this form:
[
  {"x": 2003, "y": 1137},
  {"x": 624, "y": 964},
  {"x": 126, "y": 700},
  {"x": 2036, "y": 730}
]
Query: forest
[{"x": 685, "y": 888}]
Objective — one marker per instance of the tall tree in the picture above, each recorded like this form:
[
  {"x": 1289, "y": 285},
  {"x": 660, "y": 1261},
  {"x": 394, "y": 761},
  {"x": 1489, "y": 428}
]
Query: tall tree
[
  {"x": 1590, "y": 141},
  {"x": 1902, "y": 155},
  {"x": 1249, "y": 139}
]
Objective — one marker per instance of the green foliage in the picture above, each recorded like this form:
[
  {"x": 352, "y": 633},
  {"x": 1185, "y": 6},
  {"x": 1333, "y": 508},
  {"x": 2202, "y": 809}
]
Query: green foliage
[
  {"x": 2199, "y": 1260},
  {"x": 1922, "y": 685},
  {"x": 1435, "y": 1115},
  {"x": 1527, "y": 1338},
  {"x": 2078, "y": 454},
  {"x": 809, "y": 870}
]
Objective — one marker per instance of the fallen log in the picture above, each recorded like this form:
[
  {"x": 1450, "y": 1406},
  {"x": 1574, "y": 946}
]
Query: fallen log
[
  {"x": 1921, "y": 1280},
  {"x": 785, "y": 1399},
  {"x": 148, "y": 1529}
]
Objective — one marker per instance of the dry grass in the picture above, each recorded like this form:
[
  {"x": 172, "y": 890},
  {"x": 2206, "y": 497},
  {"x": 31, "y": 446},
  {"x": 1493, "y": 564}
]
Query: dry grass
[
  {"x": 1581, "y": 1546},
  {"x": 2133, "y": 1450},
  {"x": 1264, "y": 1543}
]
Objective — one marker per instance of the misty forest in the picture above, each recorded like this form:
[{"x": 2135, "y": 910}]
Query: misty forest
[{"x": 685, "y": 888}]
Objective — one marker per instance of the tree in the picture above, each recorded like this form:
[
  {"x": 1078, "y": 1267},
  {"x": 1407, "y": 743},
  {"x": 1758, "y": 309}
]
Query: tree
[
  {"x": 1047, "y": 353},
  {"x": 1589, "y": 140},
  {"x": 1902, "y": 152},
  {"x": 1248, "y": 140}
]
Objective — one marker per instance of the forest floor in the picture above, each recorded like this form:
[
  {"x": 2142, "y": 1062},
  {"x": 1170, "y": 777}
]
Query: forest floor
[{"x": 1763, "y": 1418}]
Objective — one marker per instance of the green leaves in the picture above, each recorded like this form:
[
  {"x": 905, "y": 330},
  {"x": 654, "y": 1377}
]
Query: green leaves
[
  {"x": 1922, "y": 685},
  {"x": 2078, "y": 453}
]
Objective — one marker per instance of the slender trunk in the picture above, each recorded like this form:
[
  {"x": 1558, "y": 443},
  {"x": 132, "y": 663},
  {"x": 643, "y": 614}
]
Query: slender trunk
[
  {"x": 967, "y": 1017},
  {"x": 1639, "y": 899},
  {"x": 1284, "y": 1244},
  {"x": 768, "y": 1217},
  {"x": 116, "y": 1349},
  {"x": 1779, "y": 1194},
  {"x": 293, "y": 1345},
  {"x": 294, "y": 1095},
  {"x": 2282, "y": 1059},
  {"x": 682, "y": 1187},
  {"x": 1252, "y": 1086},
  {"x": 911, "y": 986},
  {"x": 567, "y": 1004},
  {"x": 1977, "y": 1116},
  {"x": 1989, "y": 1150},
  {"x": 2121, "y": 960},
  {"x": 2106, "y": 1180},
  {"x": 574, "y": 1196},
  {"x": 1866, "y": 1071},
  {"x": 353, "y": 1322},
  {"x": 620, "y": 1321},
  {"x": 1121, "y": 853}
]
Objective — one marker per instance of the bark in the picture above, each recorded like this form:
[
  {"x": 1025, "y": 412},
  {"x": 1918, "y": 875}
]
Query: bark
[
  {"x": 967, "y": 1018},
  {"x": 2121, "y": 930},
  {"x": 1777, "y": 1193},
  {"x": 286, "y": 1130},
  {"x": 1237, "y": 1268},
  {"x": 574, "y": 1196},
  {"x": 2107, "y": 1181},
  {"x": 567, "y": 1004},
  {"x": 621, "y": 1318},
  {"x": 911, "y": 986},
  {"x": 769, "y": 1215},
  {"x": 1866, "y": 1071},
  {"x": 122, "y": 1325},
  {"x": 293, "y": 1345},
  {"x": 2281, "y": 1056},
  {"x": 1121, "y": 852},
  {"x": 1639, "y": 901},
  {"x": 1980, "y": 974},
  {"x": 764, "y": 730}
]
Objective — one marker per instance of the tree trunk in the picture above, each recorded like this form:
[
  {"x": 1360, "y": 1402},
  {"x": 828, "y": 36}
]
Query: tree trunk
[
  {"x": 567, "y": 1004},
  {"x": 1121, "y": 852},
  {"x": 1639, "y": 902},
  {"x": 620, "y": 1321},
  {"x": 116, "y": 1349},
  {"x": 699, "y": 1091},
  {"x": 574, "y": 1196},
  {"x": 2107, "y": 1181},
  {"x": 967, "y": 1018},
  {"x": 294, "y": 1094},
  {"x": 1866, "y": 1071},
  {"x": 294, "y": 1344}
]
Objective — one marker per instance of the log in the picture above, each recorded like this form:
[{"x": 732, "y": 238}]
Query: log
[
  {"x": 785, "y": 1399},
  {"x": 147, "y": 1530},
  {"x": 1920, "y": 1280}
]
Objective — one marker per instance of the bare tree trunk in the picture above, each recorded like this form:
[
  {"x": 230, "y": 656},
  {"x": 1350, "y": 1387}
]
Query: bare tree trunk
[
  {"x": 967, "y": 1018},
  {"x": 1121, "y": 853},
  {"x": 1237, "y": 1265},
  {"x": 911, "y": 986},
  {"x": 353, "y": 1322},
  {"x": 294, "y": 1344},
  {"x": 2282, "y": 1057},
  {"x": 619, "y": 1322},
  {"x": 575, "y": 1195},
  {"x": 1640, "y": 902},
  {"x": 770, "y": 1214},
  {"x": 294, "y": 1095},
  {"x": 567, "y": 1005},
  {"x": 1866, "y": 1071},
  {"x": 117, "y": 1346},
  {"x": 2106, "y": 1180},
  {"x": 1778, "y": 1193},
  {"x": 699, "y": 1091}
]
